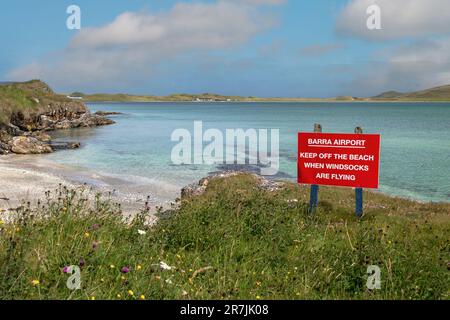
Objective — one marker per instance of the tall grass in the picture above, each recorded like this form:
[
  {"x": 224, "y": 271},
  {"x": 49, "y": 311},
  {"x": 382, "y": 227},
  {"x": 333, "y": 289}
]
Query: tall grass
[{"x": 234, "y": 242}]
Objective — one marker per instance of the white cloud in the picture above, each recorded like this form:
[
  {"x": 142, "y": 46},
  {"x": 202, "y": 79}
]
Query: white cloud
[
  {"x": 420, "y": 65},
  {"x": 131, "y": 47},
  {"x": 399, "y": 18}
]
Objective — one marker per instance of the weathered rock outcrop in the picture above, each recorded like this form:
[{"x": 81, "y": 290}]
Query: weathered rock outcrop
[
  {"x": 29, "y": 145},
  {"x": 37, "y": 111},
  {"x": 197, "y": 189}
]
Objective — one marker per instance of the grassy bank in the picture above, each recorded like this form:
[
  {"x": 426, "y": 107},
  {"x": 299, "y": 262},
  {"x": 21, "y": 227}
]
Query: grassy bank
[
  {"x": 233, "y": 242},
  {"x": 26, "y": 98}
]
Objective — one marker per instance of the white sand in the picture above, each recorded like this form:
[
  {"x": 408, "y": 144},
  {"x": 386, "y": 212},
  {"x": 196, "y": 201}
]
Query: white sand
[
  {"x": 27, "y": 178},
  {"x": 20, "y": 184}
]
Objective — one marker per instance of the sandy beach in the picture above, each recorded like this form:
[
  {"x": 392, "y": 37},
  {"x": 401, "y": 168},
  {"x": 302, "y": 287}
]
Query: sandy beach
[
  {"x": 24, "y": 184},
  {"x": 27, "y": 178}
]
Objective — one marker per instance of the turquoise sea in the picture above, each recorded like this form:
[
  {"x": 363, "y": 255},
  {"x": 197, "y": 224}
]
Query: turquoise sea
[{"x": 415, "y": 153}]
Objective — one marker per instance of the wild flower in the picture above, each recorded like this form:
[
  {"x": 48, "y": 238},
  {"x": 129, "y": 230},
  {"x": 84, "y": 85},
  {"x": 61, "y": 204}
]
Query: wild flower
[
  {"x": 94, "y": 245},
  {"x": 165, "y": 266},
  {"x": 35, "y": 282},
  {"x": 142, "y": 232},
  {"x": 82, "y": 262},
  {"x": 142, "y": 297},
  {"x": 138, "y": 267},
  {"x": 112, "y": 266},
  {"x": 95, "y": 227},
  {"x": 125, "y": 270},
  {"x": 130, "y": 293},
  {"x": 87, "y": 235},
  {"x": 65, "y": 269}
]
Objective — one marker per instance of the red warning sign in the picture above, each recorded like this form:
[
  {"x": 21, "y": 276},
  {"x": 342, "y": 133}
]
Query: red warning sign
[{"x": 348, "y": 160}]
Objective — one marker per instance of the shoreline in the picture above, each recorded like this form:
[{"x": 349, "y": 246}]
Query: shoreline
[
  {"x": 27, "y": 178},
  {"x": 267, "y": 101}
]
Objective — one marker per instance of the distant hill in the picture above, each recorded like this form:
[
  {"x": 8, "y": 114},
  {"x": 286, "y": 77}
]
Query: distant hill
[
  {"x": 389, "y": 95},
  {"x": 436, "y": 93},
  {"x": 182, "y": 97},
  {"x": 441, "y": 93}
]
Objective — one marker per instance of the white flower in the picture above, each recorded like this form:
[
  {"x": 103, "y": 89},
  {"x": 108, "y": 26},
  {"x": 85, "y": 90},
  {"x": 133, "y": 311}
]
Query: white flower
[
  {"x": 165, "y": 266},
  {"x": 142, "y": 232}
]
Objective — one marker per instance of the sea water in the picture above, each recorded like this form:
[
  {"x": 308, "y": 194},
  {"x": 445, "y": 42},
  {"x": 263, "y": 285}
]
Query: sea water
[{"x": 415, "y": 138}]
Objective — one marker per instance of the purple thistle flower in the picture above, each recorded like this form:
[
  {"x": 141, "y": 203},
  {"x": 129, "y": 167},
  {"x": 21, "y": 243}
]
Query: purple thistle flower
[
  {"x": 82, "y": 262},
  {"x": 125, "y": 270},
  {"x": 94, "y": 245},
  {"x": 65, "y": 269},
  {"x": 95, "y": 226}
]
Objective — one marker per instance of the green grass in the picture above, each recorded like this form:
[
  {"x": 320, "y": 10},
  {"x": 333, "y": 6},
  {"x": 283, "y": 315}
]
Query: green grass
[
  {"x": 234, "y": 242},
  {"x": 26, "y": 98},
  {"x": 13, "y": 99}
]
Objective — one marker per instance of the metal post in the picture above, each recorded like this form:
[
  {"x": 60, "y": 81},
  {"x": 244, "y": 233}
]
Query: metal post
[
  {"x": 314, "y": 194},
  {"x": 359, "y": 191}
]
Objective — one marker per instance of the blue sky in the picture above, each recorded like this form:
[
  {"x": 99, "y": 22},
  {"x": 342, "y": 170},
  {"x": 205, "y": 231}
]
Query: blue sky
[{"x": 290, "y": 48}]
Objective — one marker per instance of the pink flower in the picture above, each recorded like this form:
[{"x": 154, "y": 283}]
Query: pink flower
[
  {"x": 125, "y": 270},
  {"x": 65, "y": 269}
]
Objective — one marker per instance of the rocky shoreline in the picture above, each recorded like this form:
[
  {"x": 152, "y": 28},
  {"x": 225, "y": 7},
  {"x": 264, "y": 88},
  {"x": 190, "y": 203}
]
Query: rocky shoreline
[{"x": 26, "y": 132}]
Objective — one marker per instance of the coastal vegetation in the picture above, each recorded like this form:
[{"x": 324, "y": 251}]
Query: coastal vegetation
[
  {"x": 28, "y": 110},
  {"x": 26, "y": 98},
  {"x": 236, "y": 239},
  {"x": 441, "y": 93}
]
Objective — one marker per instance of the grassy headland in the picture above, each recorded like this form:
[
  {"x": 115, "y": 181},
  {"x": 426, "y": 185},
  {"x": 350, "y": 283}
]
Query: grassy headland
[
  {"x": 236, "y": 241},
  {"x": 26, "y": 97}
]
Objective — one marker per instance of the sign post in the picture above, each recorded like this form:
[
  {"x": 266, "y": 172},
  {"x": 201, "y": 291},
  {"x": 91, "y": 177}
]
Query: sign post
[
  {"x": 346, "y": 160},
  {"x": 358, "y": 191},
  {"x": 314, "y": 193}
]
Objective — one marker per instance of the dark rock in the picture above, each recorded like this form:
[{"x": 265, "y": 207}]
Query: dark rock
[
  {"x": 9, "y": 130},
  {"x": 4, "y": 148},
  {"x": 108, "y": 113},
  {"x": 42, "y": 136},
  {"x": 65, "y": 124},
  {"x": 45, "y": 123},
  {"x": 57, "y": 145},
  {"x": 92, "y": 120}
]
